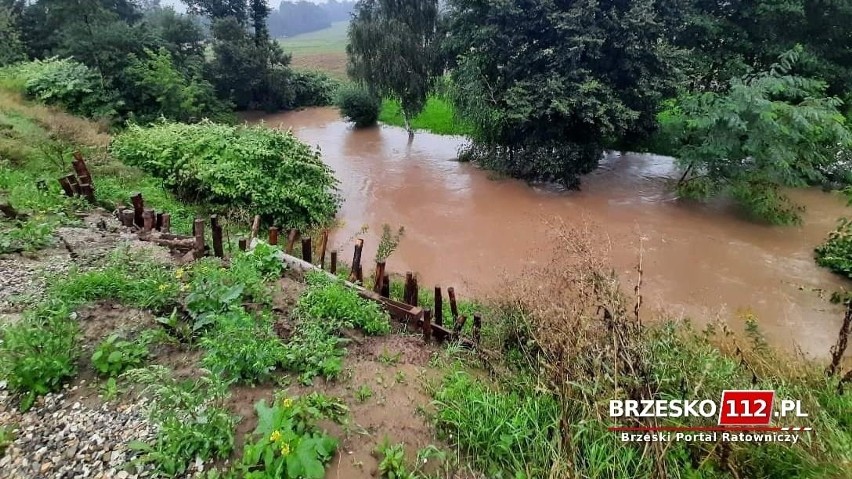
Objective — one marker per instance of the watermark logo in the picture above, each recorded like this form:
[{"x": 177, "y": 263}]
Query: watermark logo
[{"x": 740, "y": 415}]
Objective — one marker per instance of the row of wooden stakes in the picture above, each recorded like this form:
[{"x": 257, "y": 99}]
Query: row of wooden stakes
[{"x": 79, "y": 183}]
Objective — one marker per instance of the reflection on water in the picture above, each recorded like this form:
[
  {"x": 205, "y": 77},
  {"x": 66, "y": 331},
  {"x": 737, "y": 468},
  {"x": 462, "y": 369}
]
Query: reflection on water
[{"x": 467, "y": 230}]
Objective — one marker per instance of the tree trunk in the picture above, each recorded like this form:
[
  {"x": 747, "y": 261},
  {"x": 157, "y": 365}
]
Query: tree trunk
[{"x": 408, "y": 126}]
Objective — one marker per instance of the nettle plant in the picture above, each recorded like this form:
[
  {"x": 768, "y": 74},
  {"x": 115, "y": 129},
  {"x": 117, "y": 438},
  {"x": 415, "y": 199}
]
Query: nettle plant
[
  {"x": 114, "y": 355},
  {"x": 287, "y": 442}
]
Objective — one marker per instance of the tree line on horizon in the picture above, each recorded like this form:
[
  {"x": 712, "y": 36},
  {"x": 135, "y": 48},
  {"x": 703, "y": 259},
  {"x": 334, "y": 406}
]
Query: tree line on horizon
[{"x": 293, "y": 18}]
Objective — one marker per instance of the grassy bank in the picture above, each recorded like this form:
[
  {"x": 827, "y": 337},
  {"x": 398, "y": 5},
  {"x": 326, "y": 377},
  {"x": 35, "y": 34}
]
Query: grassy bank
[
  {"x": 437, "y": 117},
  {"x": 322, "y": 50}
]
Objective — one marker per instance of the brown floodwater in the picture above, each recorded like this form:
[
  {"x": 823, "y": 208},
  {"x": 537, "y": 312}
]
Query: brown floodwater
[{"x": 468, "y": 230}]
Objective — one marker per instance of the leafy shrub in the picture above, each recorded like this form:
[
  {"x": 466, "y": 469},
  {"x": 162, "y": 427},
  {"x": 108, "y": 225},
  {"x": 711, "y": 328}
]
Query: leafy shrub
[
  {"x": 240, "y": 350},
  {"x": 26, "y": 236},
  {"x": 39, "y": 353},
  {"x": 836, "y": 253},
  {"x": 266, "y": 171},
  {"x": 331, "y": 300},
  {"x": 358, "y": 106},
  {"x": 114, "y": 355},
  {"x": 287, "y": 442},
  {"x": 159, "y": 89},
  {"x": 312, "y": 88},
  {"x": 67, "y": 83},
  {"x": 314, "y": 350},
  {"x": 192, "y": 419}
]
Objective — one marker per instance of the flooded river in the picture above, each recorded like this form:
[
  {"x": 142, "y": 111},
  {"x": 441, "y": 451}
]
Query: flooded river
[{"x": 468, "y": 230}]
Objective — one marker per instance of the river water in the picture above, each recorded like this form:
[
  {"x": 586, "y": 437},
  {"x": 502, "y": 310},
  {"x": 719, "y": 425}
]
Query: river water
[{"x": 466, "y": 229}]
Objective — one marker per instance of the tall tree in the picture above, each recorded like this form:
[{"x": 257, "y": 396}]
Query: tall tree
[
  {"x": 10, "y": 38},
  {"x": 392, "y": 49},
  {"x": 548, "y": 83}
]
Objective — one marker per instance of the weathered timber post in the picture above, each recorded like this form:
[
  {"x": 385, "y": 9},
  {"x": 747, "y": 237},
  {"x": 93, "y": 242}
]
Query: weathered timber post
[
  {"x": 291, "y": 240},
  {"x": 379, "y": 277},
  {"x": 147, "y": 220},
  {"x": 439, "y": 307},
  {"x": 477, "y": 328},
  {"x": 166, "y": 223},
  {"x": 75, "y": 185},
  {"x": 138, "y": 208},
  {"x": 127, "y": 218},
  {"x": 415, "y": 292},
  {"x": 255, "y": 227},
  {"x": 273, "y": 236},
  {"x": 323, "y": 246},
  {"x": 385, "y": 286},
  {"x": 458, "y": 326},
  {"x": 218, "y": 250},
  {"x": 158, "y": 221},
  {"x": 454, "y": 309},
  {"x": 356, "y": 275},
  {"x": 198, "y": 247},
  {"x": 65, "y": 183},
  {"x": 406, "y": 290},
  {"x": 333, "y": 267},
  {"x": 307, "y": 250},
  {"x": 243, "y": 244},
  {"x": 427, "y": 325}
]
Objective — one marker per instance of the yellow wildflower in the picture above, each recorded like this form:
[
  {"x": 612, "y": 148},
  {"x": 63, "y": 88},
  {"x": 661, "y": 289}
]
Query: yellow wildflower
[
  {"x": 184, "y": 287},
  {"x": 285, "y": 449},
  {"x": 179, "y": 273},
  {"x": 287, "y": 403},
  {"x": 163, "y": 287},
  {"x": 275, "y": 436}
]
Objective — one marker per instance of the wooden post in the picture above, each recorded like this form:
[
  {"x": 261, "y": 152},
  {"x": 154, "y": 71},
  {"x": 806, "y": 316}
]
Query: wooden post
[
  {"x": 385, "y": 286},
  {"x": 87, "y": 192},
  {"x": 379, "y": 277},
  {"x": 273, "y": 236},
  {"x": 218, "y": 250},
  {"x": 127, "y": 218},
  {"x": 454, "y": 309},
  {"x": 457, "y": 327},
  {"x": 166, "y": 224},
  {"x": 356, "y": 274},
  {"x": 477, "y": 328},
  {"x": 291, "y": 240},
  {"x": 439, "y": 307},
  {"x": 66, "y": 186},
  {"x": 138, "y": 207},
  {"x": 198, "y": 247},
  {"x": 243, "y": 244},
  {"x": 75, "y": 185},
  {"x": 80, "y": 166},
  {"x": 158, "y": 222},
  {"x": 427, "y": 325},
  {"x": 415, "y": 292},
  {"x": 333, "y": 268},
  {"x": 323, "y": 246},
  {"x": 147, "y": 220},
  {"x": 307, "y": 251},
  {"x": 255, "y": 227},
  {"x": 406, "y": 290}
]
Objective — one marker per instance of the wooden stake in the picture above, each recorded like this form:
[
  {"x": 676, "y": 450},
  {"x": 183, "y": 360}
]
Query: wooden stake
[
  {"x": 75, "y": 185},
  {"x": 356, "y": 274},
  {"x": 415, "y": 292},
  {"x": 307, "y": 251},
  {"x": 333, "y": 268},
  {"x": 406, "y": 291},
  {"x": 198, "y": 247},
  {"x": 427, "y": 325},
  {"x": 477, "y": 328},
  {"x": 166, "y": 224},
  {"x": 127, "y": 218},
  {"x": 80, "y": 167},
  {"x": 138, "y": 208},
  {"x": 147, "y": 220},
  {"x": 386, "y": 286},
  {"x": 291, "y": 240},
  {"x": 158, "y": 222},
  {"x": 273, "y": 236},
  {"x": 323, "y": 246},
  {"x": 243, "y": 244},
  {"x": 439, "y": 307},
  {"x": 379, "y": 277},
  {"x": 87, "y": 192},
  {"x": 218, "y": 250},
  {"x": 454, "y": 309},
  {"x": 255, "y": 227},
  {"x": 458, "y": 326},
  {"x": 66, "y": 186}
]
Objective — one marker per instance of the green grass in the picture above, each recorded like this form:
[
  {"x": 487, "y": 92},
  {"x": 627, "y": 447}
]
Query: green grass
[
  {"x": 328, "y": 40},
  {"x": 437, "y": 117}
]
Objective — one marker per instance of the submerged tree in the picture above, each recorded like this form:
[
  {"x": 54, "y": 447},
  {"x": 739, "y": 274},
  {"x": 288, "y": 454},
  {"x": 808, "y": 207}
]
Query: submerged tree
[
  {"x": 767, "y": 131},
  {"x": 546, "y": 84},
  {"x": 392, "y": 49}
]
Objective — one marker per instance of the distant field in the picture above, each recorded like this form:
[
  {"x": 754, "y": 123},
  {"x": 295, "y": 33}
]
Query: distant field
[{"x": 323, "y": 50}]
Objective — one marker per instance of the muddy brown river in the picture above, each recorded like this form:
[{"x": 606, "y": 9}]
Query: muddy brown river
[{"x": 466, "y": 229}]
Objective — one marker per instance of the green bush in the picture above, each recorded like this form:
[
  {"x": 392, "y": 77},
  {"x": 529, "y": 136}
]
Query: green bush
[
  {"x": 66, "y": 83},
  {"x": 240, "y": 350},
  {"x": 358, "y": 106},
  {"x": 313, "y": 88},
  {"x": 836, "y": 253},
  {"x": 266, "y": 171},
  {"x": 39, "y": 353},
  {"x": 114, "y": 355}
]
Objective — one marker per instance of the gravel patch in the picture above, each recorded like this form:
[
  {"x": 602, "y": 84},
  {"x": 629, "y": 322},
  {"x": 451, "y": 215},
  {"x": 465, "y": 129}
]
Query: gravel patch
[{"x": 62, "y": 438}]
